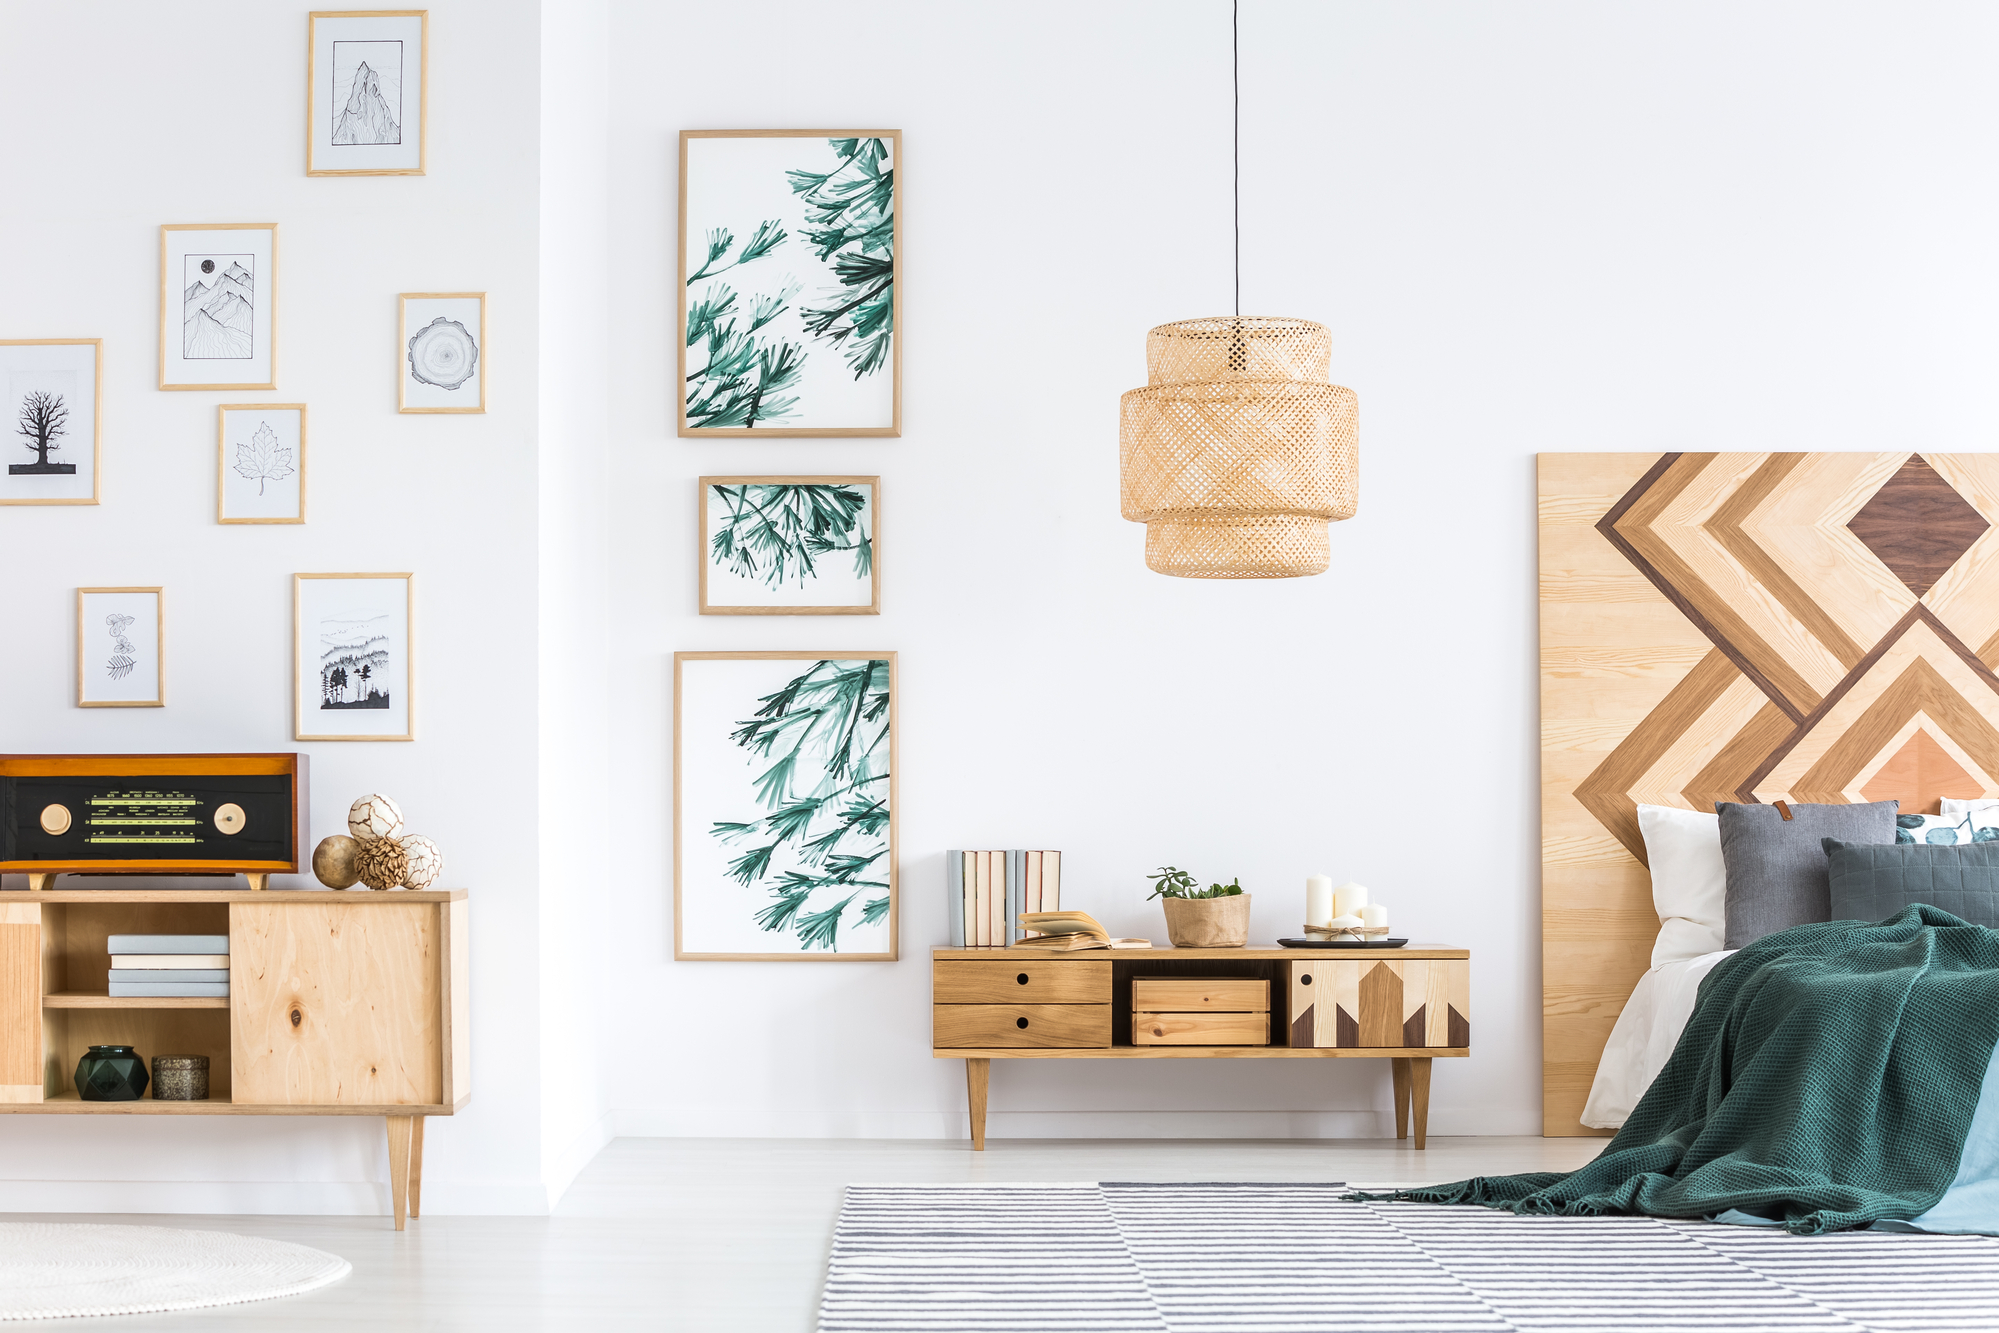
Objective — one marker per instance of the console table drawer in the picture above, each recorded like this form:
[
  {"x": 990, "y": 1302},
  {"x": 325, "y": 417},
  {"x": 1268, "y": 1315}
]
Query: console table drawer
[
  {"x": 1021, "y": 981},
  {"x": 1022, "y": 1024},
  {"x": 1211, "y": 1029},
  {"x": 1169, "y": 995}
]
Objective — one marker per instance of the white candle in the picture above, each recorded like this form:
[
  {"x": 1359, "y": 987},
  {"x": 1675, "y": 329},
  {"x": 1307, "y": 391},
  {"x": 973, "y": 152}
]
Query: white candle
[
  {"x": 1374, "y": 916},
  {"x": 1349, "y": 898},
  {"x": 1318, "y": 899}
]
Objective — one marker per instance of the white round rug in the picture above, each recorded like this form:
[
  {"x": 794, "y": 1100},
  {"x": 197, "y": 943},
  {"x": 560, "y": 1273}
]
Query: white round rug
[{"x": 50, "y": 1270}]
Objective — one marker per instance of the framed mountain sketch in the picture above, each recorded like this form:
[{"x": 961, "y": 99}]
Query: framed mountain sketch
[
  {"x": 260, "y": 463},
  {"x": 784, "y": 834},
  {"x": 790, "y": 282},
  {"x": 119, "y": 638},
  {"x": 441, "y": 352},
  {"x": 790, "y": 546},
  {"x": 351, "y": 651},
  {"x": 366, "y": 92},
  {"x": 52, "y": 390},
  {"x": 218, "y": 306}
]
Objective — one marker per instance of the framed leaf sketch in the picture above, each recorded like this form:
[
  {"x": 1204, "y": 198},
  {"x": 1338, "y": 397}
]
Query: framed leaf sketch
[
  {"x": 120, "y": 633},
  {"x": 260, "y": 463},
  {"x": 790, "y": 546},
  {"x": 53, "y": 391},
  {"x": 218, "y": 306},
  {"x": 351, "y": 656},
  {"x": 366, "y": 92},
  {"x": 790, "y": 282},
  {"x": 441, "y": 352},
  {"x": 784, "y": 834}
]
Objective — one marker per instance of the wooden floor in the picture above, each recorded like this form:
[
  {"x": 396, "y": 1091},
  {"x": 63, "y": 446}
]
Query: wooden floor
[{"x": 731, "y": 1234}]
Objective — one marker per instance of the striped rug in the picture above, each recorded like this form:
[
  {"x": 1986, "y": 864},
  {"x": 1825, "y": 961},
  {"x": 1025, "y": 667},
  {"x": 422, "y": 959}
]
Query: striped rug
[{"x": 1262, "y": 1258}]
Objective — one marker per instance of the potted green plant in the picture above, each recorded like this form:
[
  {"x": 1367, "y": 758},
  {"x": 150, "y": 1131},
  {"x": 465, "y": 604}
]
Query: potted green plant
[{"x": 1216, "y": 917}]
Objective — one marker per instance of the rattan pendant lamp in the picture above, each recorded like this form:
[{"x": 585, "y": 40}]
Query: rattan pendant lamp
[{"x": 1238, "y": 452}]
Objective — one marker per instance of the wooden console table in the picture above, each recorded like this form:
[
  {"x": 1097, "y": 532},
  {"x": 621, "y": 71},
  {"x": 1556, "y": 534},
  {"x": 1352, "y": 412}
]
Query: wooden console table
[
  {"x": 1407, "y": 1006},
  {"x": 340, "y": 1003}
]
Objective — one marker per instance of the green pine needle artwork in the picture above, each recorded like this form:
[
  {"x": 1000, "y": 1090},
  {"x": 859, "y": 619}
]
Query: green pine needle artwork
[
  {"x": 777, "y": 534},
  {"x": 850, "y": 220}
]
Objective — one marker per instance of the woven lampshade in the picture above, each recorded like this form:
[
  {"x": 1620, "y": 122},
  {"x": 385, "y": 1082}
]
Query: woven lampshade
[{"x": 1237, "y": 453}]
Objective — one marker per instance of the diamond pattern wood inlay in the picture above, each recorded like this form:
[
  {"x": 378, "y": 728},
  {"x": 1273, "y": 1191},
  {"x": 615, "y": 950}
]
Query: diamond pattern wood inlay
[{"x": 1918, "y": 525}]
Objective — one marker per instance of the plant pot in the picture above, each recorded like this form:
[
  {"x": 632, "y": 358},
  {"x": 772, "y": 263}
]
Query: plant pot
[
  {"x": 111, "y": 1074},
  {"x": 1208, "y": 923}
]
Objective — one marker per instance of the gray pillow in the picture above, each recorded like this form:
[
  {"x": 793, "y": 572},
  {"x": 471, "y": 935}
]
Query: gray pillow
[
  {"x": 1871, "y": 883},
  {"x": 1775, "y": 869}
]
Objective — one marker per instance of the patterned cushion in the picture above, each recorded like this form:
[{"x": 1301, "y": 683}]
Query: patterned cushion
[
  {"x": 1871, "y": 882},
  {"x": 1948, "y": 830},
  {"x": 1775, "y": 868}
]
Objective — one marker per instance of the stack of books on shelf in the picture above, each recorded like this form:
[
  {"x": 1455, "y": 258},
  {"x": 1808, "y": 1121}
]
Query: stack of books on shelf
[
  {"x": 989, "y": 890},
  {"x": 179, "y": 966}
]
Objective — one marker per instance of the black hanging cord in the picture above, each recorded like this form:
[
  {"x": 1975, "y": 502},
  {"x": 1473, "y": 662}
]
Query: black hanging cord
[{"x": 1235, "y": 53}]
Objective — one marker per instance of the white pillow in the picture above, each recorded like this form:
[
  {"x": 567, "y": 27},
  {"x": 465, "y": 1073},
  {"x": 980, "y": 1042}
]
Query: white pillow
[
  {"x": 1953, "y": 806},
  {"x": 1689, "y": 886}
]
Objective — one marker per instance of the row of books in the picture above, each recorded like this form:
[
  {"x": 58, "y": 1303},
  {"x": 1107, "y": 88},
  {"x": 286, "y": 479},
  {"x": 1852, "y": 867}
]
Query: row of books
[
  {"x": 181, "y": 966},
  {"x": 989, "y": 890}
]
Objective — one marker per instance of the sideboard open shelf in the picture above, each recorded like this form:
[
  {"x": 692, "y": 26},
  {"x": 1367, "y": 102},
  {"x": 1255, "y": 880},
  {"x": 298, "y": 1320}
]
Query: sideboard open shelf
[{"x": 340, "y": 1003}]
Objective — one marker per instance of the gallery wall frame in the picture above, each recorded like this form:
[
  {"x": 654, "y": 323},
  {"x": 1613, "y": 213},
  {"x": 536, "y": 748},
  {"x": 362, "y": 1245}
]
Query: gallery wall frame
[
  {"x": 360, "y": 665},
  {"x": 278, "y": 463},
  {"x": 122, "y": 664},
  {"x": 51, "y": 366},
  {"x": 368, "y": 133},
  {"x": 806, "y": 381},
  {"x": 443, "y": 357},
  {"x": 729, "y": 895},
  {"x": 785, "y": 544},
  {"x": 218, "y": 305}
]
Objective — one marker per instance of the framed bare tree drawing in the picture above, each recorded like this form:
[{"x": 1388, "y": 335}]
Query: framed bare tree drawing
[{"x": 52, "y": 391}]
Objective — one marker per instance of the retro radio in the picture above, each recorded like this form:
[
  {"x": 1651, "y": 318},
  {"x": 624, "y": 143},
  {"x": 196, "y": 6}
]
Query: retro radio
[{"x": 152, "y": 814}]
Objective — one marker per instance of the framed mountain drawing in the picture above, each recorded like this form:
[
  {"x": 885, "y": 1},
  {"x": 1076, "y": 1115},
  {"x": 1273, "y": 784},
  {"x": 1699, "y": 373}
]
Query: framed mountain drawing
[
  {"x": 218, "y": 306},
  {"x": 784, "y": 830},
  {"x": 51, "y": 390},
  {"x": 441, "y": 352},
  {"x": 790, "y": 282},
  {"x": 790, "y": 546},
  {"x": 119, "y": 636},
  {"x": 260, "y": 463},
  {"x": 351, "y": 642},
  {"x": 366, "y": 92}
]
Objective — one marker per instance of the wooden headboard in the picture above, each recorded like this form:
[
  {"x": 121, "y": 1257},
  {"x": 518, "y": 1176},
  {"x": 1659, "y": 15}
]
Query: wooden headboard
[{"x": 1742, "y": 627}]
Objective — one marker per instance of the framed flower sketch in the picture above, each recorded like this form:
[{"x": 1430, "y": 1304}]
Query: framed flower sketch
[
  {"x": 784, "y": 835},
  {"x": 53, "y": 392},
  {"x": 119, "y": 636},
  {"x": 260, "y": 463},
  {"x": 366, "y": 92},
  {"x": 790, "y": 546},
  {"x": 441, "y": 352},
  {"x": 790, "y": 282},
  {"x": 351, "y": 653},
  {"x": 218, "y": 306}
]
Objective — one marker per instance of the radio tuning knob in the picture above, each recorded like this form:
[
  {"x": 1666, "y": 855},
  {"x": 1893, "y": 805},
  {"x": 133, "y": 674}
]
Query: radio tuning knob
[
  {"x": 229, "y": 818},
  {"x": 55, "y": 819}
]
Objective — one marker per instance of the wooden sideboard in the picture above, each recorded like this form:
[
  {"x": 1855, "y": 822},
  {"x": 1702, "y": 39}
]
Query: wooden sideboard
[
  {"x": 351, "y": 1003},
  {"x": 1407, "y": 1006}
]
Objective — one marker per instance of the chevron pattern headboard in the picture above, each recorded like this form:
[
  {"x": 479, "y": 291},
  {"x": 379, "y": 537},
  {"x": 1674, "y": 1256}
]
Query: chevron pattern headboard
[{"x": 1742, "y": 627}]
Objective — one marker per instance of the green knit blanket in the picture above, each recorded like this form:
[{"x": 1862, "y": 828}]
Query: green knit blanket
[{"x": 1826, "y": 1080}]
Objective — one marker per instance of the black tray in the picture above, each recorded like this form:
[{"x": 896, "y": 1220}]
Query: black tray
[{"x": 1342, "y": 944}]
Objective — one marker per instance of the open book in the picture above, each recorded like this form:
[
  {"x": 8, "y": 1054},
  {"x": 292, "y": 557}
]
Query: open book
[{"x": 1065, "y": 931}]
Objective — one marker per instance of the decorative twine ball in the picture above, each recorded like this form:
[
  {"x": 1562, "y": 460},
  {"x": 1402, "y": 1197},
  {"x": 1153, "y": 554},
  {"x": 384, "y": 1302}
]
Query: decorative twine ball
[
  {"x": 426, "y": 863},
  {"x": 333, "y": 861},
  {"x": 374, "y": 817},
  {"x": 382, "y": 863}
]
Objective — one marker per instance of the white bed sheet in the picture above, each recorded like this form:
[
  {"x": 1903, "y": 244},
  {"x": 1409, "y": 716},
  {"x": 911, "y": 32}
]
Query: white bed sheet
[{"x": 1644, "y": 1037}]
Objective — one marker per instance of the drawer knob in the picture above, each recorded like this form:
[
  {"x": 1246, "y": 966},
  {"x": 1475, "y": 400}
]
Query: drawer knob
[
  {"x": 1305, "y": 980},
  {"x": 1020, "y": 1022},
  {"x": 1021, "y": 979}
]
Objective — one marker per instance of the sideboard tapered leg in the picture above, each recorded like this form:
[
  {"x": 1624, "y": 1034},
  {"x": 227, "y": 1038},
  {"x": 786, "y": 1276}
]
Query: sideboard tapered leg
[
  {"x": 977, "y": 1072},
  {"x": 399, "y": 1166}
]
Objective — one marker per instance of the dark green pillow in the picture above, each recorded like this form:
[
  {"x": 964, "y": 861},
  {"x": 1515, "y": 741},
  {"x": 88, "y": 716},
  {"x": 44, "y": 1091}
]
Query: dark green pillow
[{"x": 1871, "y": 882}]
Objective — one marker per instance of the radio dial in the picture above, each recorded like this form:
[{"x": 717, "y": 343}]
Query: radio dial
[
  {"x": 55, "y": 819},
  {"x": 229, "y": 818}
]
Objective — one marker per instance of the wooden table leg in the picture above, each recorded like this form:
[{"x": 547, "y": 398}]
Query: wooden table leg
[
  {"x": 977, "y": 1071},
  {"x": 399, "y": 1166},
  {"x": 1419, "y": 1080},
  {"x": 416, "y": 1165},
  {"x": 1400, "y": 1065}
]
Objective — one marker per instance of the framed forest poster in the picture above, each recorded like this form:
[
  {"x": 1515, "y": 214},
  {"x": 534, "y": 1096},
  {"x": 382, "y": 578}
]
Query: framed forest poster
[
  {"x": 351, "y": 656},
  {"x": 790, "y": 546},
  {"x": 790, "y": 282},
  {"x": 784, "y": 833}
]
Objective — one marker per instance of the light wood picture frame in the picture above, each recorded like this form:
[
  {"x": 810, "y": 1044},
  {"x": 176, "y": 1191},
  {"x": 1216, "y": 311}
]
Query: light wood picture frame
[
  {"x": 218, "y": 305},
  {"x": 353, "y": 657},
  {"x": 824, "y": 351},
  {"x": 789, "y": 546},
  {"x": 54, "y": 400},
  {"x": 741, "y": 888},
  {"x": 359, "y": 97},
  {"x": 121, "y": 647},
  {"x": 260, "y": 463},
  {"x": 441, "y": 364}
]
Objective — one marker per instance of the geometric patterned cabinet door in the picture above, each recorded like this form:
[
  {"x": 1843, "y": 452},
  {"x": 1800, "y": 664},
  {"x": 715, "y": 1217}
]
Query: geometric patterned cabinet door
[{"x": 1362, "y": 1002}]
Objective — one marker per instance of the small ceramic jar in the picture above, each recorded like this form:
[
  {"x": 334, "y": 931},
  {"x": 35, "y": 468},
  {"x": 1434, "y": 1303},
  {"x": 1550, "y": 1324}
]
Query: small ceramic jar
[
  {"x": 111, "y": 1074},
  {"x": 180, "y": 1078}
]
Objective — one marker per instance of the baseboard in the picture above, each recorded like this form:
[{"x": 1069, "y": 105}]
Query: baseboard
[
  {"x": 567, "y": 1161},
  {"x": 746, "y": 1123},
  {"x": 265, "y": 1198}
]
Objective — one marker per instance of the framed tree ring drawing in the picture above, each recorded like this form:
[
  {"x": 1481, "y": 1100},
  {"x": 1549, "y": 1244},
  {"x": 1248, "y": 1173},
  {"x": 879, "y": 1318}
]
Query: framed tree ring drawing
[
  {"x": 790, "y": 546},
  {"x": 260, "y": 463},
  {"x": 352, "y": 637},
  {"x": 120, "y": 648},
  {"x": 790, "y": 282},
  {"x": 784, "y": 800},
  {"x": 218, "y": 305},
  {"x": 366, "y": 92},
  {"x": 441, "y": 352},
  {"x": 53, "y": 391}
]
